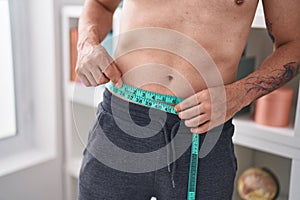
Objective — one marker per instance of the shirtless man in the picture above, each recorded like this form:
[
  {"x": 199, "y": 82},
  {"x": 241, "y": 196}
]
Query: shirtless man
[{"x": 221, "y": 28}]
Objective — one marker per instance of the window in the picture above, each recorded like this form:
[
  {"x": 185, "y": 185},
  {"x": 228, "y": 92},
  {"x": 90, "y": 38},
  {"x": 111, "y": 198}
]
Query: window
[
  {"x": 7, "y": 92},
  {"x": 15, "y": 78},
  {"x": 28, "y": 120}
]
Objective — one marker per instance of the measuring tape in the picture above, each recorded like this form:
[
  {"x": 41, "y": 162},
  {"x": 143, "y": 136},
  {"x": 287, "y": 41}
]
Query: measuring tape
[
  {"x": 147, "y": 98},
  {"x": 193, "y": 168},
  {"x": 161, "y": 102}
]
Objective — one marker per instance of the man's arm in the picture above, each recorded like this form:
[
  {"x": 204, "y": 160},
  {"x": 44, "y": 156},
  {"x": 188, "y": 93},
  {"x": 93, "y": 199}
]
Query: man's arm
[
  {"x": 283, "y": 20},
  {"x": 283, "y": 24},
  {"x": 94, "y": 65},
  {"x": 96, "y": 21}
]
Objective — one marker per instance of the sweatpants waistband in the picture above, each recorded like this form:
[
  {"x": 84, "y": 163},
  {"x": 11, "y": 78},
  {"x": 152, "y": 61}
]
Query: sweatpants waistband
[{"x": 114, "y": 104}]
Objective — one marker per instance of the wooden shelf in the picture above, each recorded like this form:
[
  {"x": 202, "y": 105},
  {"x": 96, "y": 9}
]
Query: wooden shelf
[{"x": 279, "y": 141}]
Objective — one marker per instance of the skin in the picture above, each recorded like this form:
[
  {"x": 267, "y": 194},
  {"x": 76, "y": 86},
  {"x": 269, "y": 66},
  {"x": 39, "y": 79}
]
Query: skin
[{"x": 221, "y": 29}]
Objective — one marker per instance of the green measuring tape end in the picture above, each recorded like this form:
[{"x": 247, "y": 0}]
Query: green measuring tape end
[{"x": 192, "y": 184}]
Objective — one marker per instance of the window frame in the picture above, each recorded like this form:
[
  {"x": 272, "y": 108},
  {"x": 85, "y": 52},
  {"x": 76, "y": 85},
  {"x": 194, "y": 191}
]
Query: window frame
[
  {"x": 11, "y": 134},
  {"x": 37, "y": 94},
  {"x": 21, "y": 64}
]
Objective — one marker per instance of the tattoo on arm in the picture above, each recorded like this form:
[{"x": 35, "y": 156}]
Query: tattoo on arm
[{"x": 266, "y": 84}]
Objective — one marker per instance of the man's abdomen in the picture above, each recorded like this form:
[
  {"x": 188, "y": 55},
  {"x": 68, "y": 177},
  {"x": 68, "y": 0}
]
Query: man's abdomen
[
  {"x": 156, "y": 50},
  {"x": 166, "y": 73}
]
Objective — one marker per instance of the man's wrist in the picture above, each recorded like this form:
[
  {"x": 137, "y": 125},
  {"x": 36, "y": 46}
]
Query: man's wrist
[
  {"x": 243, "y": 99},
  {"x": 88, "y": 36}
]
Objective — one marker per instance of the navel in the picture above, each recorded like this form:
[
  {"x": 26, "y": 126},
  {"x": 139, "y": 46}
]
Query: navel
[
  {"x": 170, "y": 77},
  {"x": 239, "y": 2}
]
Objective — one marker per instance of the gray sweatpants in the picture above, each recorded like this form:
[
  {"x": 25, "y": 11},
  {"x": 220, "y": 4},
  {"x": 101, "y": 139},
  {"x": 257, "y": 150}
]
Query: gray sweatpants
[{"x": 131, "y": 155}]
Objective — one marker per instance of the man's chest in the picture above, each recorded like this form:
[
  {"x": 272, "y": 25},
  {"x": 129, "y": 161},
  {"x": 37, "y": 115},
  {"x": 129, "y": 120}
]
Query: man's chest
[
  {"x": 196, "y": 8},
  {"x": 190, "y": 15}
]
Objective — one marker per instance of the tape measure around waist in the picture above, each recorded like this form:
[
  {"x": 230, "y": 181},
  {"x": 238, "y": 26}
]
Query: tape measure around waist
[
  {"x": 146, "y": 98},
  {"x": 161, "y": 102}
]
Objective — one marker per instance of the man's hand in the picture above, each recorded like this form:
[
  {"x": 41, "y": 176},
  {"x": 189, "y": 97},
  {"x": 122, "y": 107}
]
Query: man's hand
[
  {"x": 95, "y": 66},
  {"x": 196, "y": 110}
]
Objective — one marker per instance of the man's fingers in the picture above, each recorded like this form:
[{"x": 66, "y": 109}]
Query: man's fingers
[
  {"x": 203, "y": 128},
  {"x": 113, "y": 73},
  {"x": 187, "y": 103},
  {"x": 90, "y": 78},
  {"x": 99, "y": 76},
  {"x": 103, "y": 79},
  {"x": 190, "y": 112},
  {"x": 196, "y": 121},
  {"x": 96, "y": 73},
  {"x": 84, "y": 80},
  {"x": 96, "y": 67}
]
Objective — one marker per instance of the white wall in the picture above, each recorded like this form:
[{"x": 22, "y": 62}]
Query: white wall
[{"x": 41, "y": 182}]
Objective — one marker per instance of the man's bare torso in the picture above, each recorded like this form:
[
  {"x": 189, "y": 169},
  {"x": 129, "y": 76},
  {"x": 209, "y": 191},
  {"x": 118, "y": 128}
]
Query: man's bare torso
[{"x": 220, "y": 27}]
